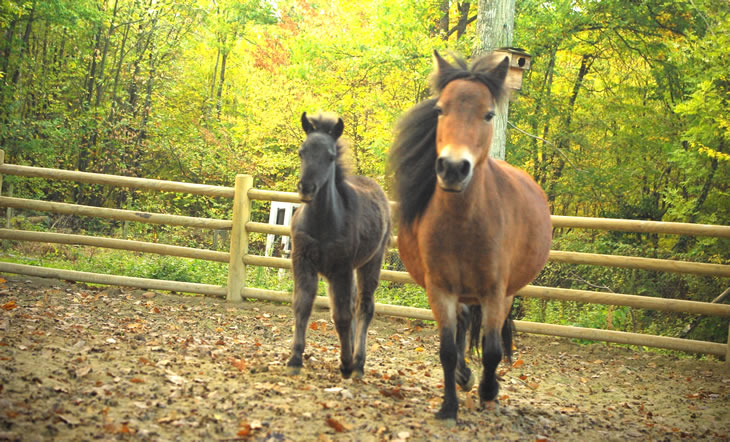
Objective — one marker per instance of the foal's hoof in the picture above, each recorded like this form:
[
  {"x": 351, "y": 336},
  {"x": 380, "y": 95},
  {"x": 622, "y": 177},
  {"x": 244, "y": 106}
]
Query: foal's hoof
[
  {"x": 446, "y": 421},
  {"x": 293, "y": 371},
  {"x": 491, "y": 406},
  {"x": 357, "y": 374},
  {"x": 446, "y": 415},
  {"x": 469, "y": 383}
]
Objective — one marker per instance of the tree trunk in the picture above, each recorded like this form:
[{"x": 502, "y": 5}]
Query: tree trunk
[
  {"x": 105, "y": 51},
  {"x": 91, "y": 80},
  {"x": 24, "y": 45},
  {"x": 7, "y": 50},
  {"x": 538, "y": 155},
  {"x": 213, "y": 81},
  {"x": 585, "y": 66},
  {"x": 219, "y": 95},
  {"x": 464, "y": 8},
  {"x": 117, "y": 74},
  {"x": 443, "y": 27},
  {"x": 495, "y": 24}
]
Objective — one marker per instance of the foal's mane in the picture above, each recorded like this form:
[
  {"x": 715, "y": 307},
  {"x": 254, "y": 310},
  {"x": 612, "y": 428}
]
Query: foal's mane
[
  {"x": 413, "y": 153},
  {"x": 324, "y": 123}
]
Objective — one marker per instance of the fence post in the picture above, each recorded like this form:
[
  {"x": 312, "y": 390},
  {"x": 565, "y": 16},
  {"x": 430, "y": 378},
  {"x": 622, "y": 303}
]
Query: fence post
[
  {"x": 727, "y": 350},
  {"x": 2, "y": 161},
  {"x": 239, "y": 238}
]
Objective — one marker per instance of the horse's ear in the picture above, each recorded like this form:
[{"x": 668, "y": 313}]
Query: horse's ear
[
  {"x": 499, "y": 73},
  {"x": 439, "y": 64},
  {"x": 306, "y": 124},
  {"x": 338, "y": 128}
]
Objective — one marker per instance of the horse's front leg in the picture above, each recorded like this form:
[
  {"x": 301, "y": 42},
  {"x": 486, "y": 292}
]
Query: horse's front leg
[
  {"x": 495, "y": 311},
  {"x": 368, "y": 277},
  {"x": 305, "y": 289},
  {"x": 464, "y": 377},
  {"x": 341, "y": 299},
  {"x": 445, "y": 307}
]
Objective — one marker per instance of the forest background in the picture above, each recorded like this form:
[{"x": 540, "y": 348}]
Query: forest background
[{"x": 624, "y": 114}]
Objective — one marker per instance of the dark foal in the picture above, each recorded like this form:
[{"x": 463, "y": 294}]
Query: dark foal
[
  {"x": 473, "y": 230},
  {"x": 343, "y": 225}
]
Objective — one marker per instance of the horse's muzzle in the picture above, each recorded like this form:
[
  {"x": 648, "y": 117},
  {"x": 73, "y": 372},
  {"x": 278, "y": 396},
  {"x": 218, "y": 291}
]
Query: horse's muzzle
[
  {"x": 306, "y": 191},
  {"x": 453, "y": 174}
]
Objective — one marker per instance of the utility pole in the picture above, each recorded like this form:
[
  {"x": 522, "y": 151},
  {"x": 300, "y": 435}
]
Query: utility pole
[{"x": 495, "y": 25}]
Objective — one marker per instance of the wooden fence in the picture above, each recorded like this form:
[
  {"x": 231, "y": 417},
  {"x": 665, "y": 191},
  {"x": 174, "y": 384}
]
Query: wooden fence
[{"x": 238, "y": 257}]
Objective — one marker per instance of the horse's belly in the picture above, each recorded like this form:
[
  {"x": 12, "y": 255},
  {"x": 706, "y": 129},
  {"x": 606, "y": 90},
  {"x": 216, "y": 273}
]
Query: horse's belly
[{"x": 410, "y": 255}]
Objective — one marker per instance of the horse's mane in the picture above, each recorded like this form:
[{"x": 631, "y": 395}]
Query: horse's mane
[
  {"x": 413, "y": 153},
  {"x": 324, "y": 122}
]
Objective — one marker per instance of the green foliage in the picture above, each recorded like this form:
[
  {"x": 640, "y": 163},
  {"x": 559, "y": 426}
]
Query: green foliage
[{"x": 624, "y": 113}]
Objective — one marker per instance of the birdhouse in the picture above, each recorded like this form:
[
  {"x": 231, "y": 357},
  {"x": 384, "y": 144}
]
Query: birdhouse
[{"x": 519, "y": 61}]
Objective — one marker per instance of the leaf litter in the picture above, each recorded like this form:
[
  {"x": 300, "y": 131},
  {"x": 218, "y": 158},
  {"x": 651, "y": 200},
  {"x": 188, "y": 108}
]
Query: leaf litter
[{"x": 84, "y": 362}]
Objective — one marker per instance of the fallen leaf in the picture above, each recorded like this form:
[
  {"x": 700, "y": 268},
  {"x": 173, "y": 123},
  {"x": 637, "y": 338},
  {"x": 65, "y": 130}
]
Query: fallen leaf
[
  {"x": 175, "y": 379},
  {"x": 334, "y": 423},
  {"x": 518, "y": 363},
  {"x": 10, "y": 305},
  {"x": 244, "y": 430},
  {"x": 238, "y": 363},
  {"x": 395, "y": 393},
  {"x": 71, "y": 420},
  {"x": 137, "y": 380}
]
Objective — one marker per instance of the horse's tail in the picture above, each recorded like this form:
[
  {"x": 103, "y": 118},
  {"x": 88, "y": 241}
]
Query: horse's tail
[{"x": 475, "y": 331}]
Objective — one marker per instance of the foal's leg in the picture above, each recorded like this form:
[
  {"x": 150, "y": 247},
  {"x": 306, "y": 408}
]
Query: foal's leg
[
  {"x": 444, "y": 307},
  {"x": 368, "y": 277},
  {"x": 464, "y": 376},
  {"x": 494, "y": 310},
  {"x": 341, "y": 300},
  {"x": 305, "y": 289}
]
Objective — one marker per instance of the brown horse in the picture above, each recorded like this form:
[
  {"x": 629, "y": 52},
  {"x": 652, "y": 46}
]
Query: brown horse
[
  {"x": 473, "y": 230},
  {"x": 344, "y": 224}
]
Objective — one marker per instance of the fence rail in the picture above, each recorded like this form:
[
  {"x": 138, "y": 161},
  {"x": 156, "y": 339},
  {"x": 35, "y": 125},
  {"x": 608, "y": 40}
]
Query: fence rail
[{"x": 238, "y": 258}]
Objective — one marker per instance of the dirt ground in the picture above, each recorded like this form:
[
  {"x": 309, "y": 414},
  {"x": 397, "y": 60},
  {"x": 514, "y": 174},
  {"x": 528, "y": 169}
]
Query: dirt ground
[{"x": 79, "y": 363}]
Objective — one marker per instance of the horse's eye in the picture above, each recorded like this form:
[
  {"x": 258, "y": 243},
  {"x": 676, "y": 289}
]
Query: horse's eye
[
  {"x": 331, "y": 157},
  {"x": 489, "y": 116},
  {"x": 299, "y": 152},
  {"x": 438, "y": 111}
]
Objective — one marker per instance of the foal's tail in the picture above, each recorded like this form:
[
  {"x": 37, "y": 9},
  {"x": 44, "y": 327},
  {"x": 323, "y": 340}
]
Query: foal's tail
[{"x": 475, "y": 330}]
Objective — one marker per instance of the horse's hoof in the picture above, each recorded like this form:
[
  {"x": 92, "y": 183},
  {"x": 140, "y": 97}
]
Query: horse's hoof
[
  {"x": 492, "y": 406},
  {"x": 469, "y": 384},
  {"x": 346, "y": 372},
  {"x": 357, "y": 374},
  {"x": 293, "y": 371},
  {"x": 448, "y": 422},
  {"x": 446, "y": 415}
]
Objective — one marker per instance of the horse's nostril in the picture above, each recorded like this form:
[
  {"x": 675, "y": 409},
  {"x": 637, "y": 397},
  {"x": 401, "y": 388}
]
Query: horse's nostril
[
  {"x": 440, "y": 165},
  {"x": 306, "y": 188},
  {"x": 465, "y": 168}
]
